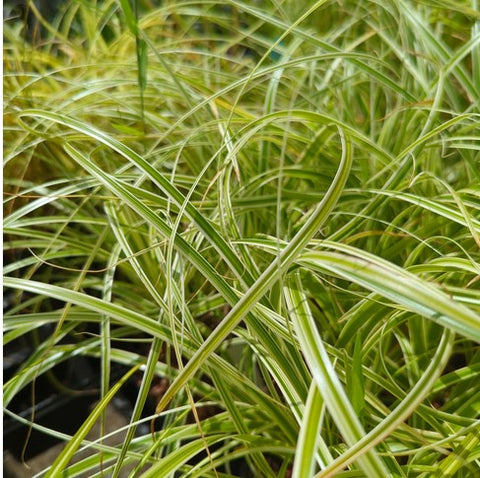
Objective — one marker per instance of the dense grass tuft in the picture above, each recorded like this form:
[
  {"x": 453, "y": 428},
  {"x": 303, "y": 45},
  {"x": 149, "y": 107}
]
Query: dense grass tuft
[{"x": 273, "y": 207}]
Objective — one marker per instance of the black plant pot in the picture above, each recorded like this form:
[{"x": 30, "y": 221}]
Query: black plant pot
[{"x": 49, "y": 407}]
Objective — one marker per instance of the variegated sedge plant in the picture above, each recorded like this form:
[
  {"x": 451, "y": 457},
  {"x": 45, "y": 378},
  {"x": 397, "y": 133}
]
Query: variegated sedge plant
[{"x": 280, "y": 204}]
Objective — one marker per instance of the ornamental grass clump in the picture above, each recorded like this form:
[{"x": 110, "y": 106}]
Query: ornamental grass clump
[{"x": 271, "y": 208}]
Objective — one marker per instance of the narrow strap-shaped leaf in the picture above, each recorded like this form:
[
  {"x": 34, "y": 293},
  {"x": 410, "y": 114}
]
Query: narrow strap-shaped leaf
[
  {"x": 401, "y": 412},
  {"x": 400, "y": 286},
  {"x": 335, "y": 397},
  {"x": 460, "y": 455},
  {"x": 309, "y": 438},
  {"x": 67, "y": 453},
  {"x": 167, "y": 465},
  {"x": 117, "y": 312},
  {"x": 129, "y": 16}
]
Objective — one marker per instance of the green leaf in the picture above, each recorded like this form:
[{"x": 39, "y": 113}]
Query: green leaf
[
  {"x": 130, "y": 16},
  {"x": 332, "y": 391},
  {"x": 67, "y": 453},
  {"x": 309, "y": 439},
  {"x": 354, "y": 378},
  {"x": 398, "y": 285}
]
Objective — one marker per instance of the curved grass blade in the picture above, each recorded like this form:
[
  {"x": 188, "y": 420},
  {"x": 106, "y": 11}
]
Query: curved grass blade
[
  {"x": 309, "y": 438},
  {"x": 406, "y": 407},
  {"x": 324, "y": 46},
  {"x": 398, "y": 285},
  {"x": 268, "y": 277},
  {"x": 388, "y": 280},
  {"x": 172, "y": 192},
  {"x": 117, "y": 312},
  {"x": 67, "y": 453},
  {"x": 335, "y": 397},
  {"x": 131, "y": 17}
]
